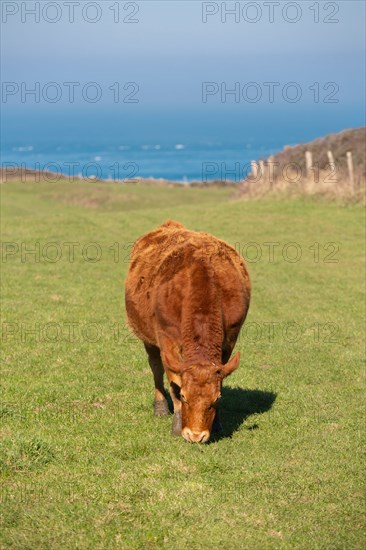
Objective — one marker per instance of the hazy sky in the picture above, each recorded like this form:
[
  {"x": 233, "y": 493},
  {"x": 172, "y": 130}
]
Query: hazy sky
[
  {"x": 170, "y": 51},
  {"x": 171, "y": 28}
]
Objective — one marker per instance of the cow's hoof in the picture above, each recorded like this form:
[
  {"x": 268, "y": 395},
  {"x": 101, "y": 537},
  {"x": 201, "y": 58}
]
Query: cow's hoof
[
  {"x": 177, "y": 424},
  {"x": 161, "y": 408}
]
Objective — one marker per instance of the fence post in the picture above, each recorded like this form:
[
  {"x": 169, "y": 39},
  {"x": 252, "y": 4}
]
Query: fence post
[
  {"x": 261, "y": 169},
  {"x": 331, "y": 159},
  {"x": 271, "y": 171},
  {"x": 308, "y": 163},
  {"x": 350, "y": 170},
  {"x": 254, "y": 166}
]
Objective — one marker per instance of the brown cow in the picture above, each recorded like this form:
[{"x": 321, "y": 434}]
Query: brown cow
[{"x": 187, "y": 296}]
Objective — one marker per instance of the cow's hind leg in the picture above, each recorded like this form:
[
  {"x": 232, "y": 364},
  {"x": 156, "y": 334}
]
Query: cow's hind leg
[{"x": 160, "y": 402}]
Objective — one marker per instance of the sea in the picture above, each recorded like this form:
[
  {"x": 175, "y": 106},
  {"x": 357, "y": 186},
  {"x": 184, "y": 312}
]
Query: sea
[{"x": 176, "y": 146}]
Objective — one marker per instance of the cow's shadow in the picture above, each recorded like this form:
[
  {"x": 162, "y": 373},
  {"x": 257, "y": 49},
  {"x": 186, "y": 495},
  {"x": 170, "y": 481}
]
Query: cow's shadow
[{"x": 237, "y": 405}]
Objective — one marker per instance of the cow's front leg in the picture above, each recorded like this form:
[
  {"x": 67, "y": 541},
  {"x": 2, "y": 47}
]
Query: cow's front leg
[
  {"x": 174, "y": 389},
  {"x": 177, "y": 418},
  {"x": 160, "y": 403}
]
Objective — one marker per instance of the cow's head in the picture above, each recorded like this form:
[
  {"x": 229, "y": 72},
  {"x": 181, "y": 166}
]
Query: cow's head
[{"x": 198, "y": 387}]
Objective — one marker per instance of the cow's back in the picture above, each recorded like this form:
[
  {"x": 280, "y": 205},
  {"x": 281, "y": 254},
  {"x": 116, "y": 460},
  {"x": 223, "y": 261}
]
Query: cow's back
[
  {"x": 169, "y": 253},
  {"x": 148, "y": 254}
]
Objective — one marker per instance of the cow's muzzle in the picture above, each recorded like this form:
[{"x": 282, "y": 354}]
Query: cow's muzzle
[{"x": 195, "y": 436}]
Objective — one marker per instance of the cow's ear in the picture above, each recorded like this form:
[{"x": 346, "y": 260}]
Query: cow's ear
[
  {"x": 171, "y": 360},
  {"x": 230, "y": 365}
]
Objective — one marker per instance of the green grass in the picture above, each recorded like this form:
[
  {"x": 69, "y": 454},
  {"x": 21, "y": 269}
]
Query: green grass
[{"x": 84, "y": 462}]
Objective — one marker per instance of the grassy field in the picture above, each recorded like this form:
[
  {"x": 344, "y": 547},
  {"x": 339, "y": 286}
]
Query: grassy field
[{"x": 84, "y": 462}]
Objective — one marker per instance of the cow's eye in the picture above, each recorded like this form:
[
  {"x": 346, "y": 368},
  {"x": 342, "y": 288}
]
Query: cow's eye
[
  {"x": 183, "y": 397},
  {"x": 176, "y": 389}
]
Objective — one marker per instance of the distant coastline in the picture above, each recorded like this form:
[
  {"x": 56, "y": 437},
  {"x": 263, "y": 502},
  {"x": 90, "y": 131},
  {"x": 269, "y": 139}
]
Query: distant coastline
[
  {"x": 330, "y": 159},
  {"x": 26, "y": 175}
]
